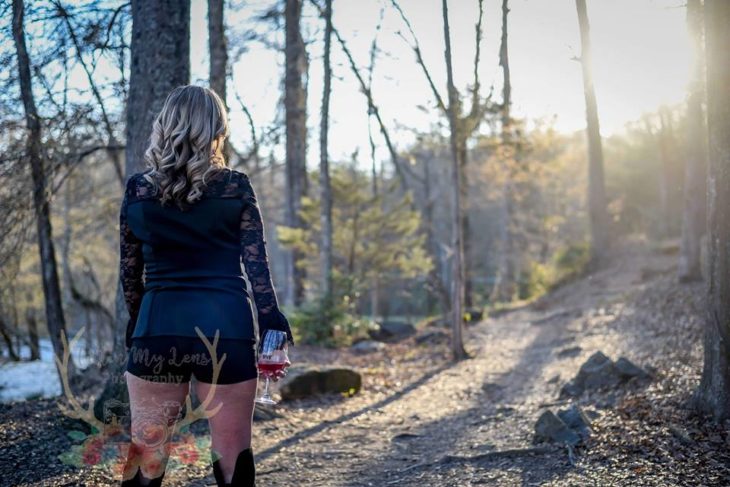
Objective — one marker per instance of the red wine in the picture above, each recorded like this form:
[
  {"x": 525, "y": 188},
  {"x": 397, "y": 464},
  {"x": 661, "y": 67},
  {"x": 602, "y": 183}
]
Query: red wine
[{"x": 270, "y": 368}]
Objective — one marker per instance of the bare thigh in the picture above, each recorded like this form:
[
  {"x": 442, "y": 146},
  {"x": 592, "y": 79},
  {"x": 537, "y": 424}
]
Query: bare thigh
[
  {"x": 154, "y": 406},
  {"x": 230, "y": 426}
]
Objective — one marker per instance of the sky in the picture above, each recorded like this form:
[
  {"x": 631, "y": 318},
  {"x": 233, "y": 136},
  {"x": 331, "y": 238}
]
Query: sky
[{"x": 641, "y": 60}]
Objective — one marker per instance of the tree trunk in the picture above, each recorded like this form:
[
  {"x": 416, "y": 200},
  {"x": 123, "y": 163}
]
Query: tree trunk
[
  {"x": 506, "y": 288},
  {"x": 596, "y": 190},
  {"x": 218, "y": 52},
  {"x": 465, "y": 225},
  {"x": 8, "y": 339},
  {"x": 694, "y": 220},
  {"x": 713, "y": 395},
  {"x": 55, "y": 320},
  {"x": 324, "y": 170},
  {"x": 665, "y": 178},
  {"x": 457, "y": 293},
  {"x": 295, "y": 104},
  {"x": 160, "y": 61},
  {"x": 33, "y": 341}
]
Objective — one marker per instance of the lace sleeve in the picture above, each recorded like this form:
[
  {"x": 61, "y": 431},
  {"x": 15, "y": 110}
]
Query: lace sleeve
[
  {"x": 131, "y": 265},
  {"x": 255, "y": 260}
]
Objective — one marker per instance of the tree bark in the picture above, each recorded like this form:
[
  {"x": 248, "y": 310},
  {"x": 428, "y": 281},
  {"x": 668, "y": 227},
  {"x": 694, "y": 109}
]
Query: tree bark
[
  {"x": 324, "y": 170},
  {"x": 596, "y": 189},
  {"x": 713, "y": 394},
  {"x": 295, "y": 104},
  {"x": 457, "y": 293},
  {"x": 55, "y": 320},
  {"x": 218, "y": 51},
  {"x": 160, "y": 62},
  {"x": 694, "y": 220}
]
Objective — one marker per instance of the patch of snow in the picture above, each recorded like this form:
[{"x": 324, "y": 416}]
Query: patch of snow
[{"x": 37, "y": 378}]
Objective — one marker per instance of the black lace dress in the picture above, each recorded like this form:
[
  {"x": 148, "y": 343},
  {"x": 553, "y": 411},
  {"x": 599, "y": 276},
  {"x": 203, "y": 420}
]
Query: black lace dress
[{"x": 182, "y": 268}]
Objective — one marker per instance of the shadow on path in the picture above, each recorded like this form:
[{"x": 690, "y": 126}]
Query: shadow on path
[
  {"x": 349, "y": 416},
  {"x": 431, "y": 442}
]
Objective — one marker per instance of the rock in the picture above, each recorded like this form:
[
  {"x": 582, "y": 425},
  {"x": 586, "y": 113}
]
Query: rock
[
  {"x": 433, "y": 336},
  {"x": 598, "y": 371},
  {"x": 392, "y": 331},
  {"x": 571, "y": 389},
  {"x": 628, "y": 370},
  {"x": 592, "y": 413},
  {"x": 492, "y": 388},
  {"x": 405, "y": 436},
  {"x": 570, "y": 352},
  {"x": 552, "y": 428},
  {"x": 368, "y": 346},
  {"x": 576, "y": 420},
  {"x": 307, "y": 381}
]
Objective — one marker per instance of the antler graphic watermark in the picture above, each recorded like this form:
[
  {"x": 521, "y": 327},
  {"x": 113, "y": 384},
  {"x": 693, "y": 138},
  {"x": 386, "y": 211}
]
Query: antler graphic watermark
[
  {"x": 109, "y": 448},
  {"x": 192, "y": 415},
  {"x": 76, "y": 411}
]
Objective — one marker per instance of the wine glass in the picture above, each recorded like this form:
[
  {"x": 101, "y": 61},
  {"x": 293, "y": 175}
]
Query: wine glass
[{"x": 272, "y": 358}]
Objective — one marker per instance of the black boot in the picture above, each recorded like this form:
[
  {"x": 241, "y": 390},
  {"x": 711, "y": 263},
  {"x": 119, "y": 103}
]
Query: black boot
[
  {"x": 136, "y": 481},
  {"x": 244, "y": 473}
]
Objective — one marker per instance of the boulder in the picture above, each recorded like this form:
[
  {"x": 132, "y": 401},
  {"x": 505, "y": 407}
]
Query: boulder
[
  {"x": 628, "y": 370},
  {"x": 392, "y": 331},
  {"x": 302, "y": 382},
  {"x": 577, "y": 420},
  {"x": 368, "y": 346},
  {"x": 599, "y": 372},
  {"x": 551, "y": 428}
]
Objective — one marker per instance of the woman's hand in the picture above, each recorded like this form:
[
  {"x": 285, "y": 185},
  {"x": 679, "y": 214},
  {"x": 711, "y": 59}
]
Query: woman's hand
[
  {"x": 280, "y": 356},
  {"x": 281, "y": 372}
]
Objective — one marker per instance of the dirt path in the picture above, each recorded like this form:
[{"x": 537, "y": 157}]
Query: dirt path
[
  {"x": 420, "y": 420},
  {"x": 439, "y": 427}
]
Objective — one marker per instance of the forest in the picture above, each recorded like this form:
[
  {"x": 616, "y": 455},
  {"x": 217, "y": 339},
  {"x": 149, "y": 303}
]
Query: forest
[{"x": 497, "y": 228}]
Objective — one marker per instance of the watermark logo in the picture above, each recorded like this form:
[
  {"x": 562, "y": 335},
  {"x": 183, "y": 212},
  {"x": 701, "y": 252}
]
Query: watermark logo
[{"x": 156, "y": 438}]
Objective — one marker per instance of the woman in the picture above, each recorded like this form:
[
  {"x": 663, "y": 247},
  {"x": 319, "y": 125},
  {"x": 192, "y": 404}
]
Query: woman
[{"x": 188, "y": 221}]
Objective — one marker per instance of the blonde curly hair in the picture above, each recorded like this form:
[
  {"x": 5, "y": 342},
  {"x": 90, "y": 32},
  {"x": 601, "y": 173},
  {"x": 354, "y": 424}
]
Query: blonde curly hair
[{"x": 186, "y": 144}]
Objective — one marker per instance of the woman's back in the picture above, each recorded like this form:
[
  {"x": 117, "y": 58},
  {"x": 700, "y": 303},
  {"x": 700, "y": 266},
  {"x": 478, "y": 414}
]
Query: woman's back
[{"x": 192, "y": 261}]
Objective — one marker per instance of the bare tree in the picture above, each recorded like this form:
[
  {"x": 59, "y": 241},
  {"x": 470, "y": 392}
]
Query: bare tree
[
  {"x": 295, "y": 104},
  {"x": 112, "y": 143},
  {"x": 468, "y": 122},
  {"x": 55, "y": 320},
  {"x": 713, "y": 394},
  {"x": 457, "y": 297},
  {"x": 324, "y": 170},
  {"x": 596, "y": 189},
  {"x": 694, "y": 221},
  {"x": 402, "y": 170},
  {"x": 506, "y": 286}
]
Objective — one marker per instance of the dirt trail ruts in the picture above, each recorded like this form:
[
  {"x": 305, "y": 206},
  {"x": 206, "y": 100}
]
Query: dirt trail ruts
[{"x": 488, "y": 403}]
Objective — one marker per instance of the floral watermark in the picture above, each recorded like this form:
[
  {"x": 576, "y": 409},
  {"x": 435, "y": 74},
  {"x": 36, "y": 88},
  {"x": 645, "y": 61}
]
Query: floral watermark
[{"x": 157, "y": 438}]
